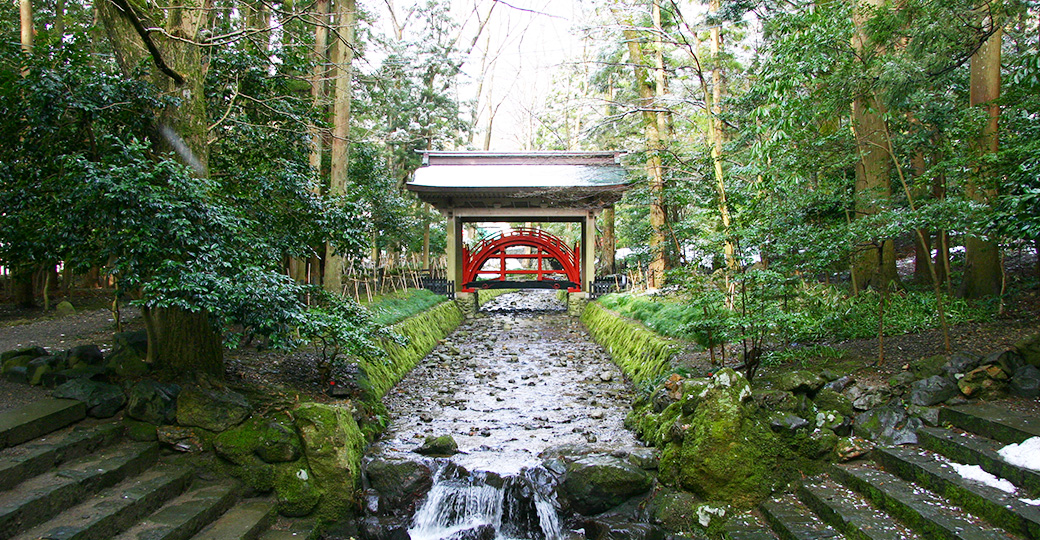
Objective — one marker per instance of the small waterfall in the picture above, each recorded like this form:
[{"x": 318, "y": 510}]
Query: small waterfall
[{"x": 486, "y": 506}]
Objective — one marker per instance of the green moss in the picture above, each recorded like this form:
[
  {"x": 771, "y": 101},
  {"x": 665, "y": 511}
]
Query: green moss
[
  {"x": 333, "y": 445},
  {"x": 296, "y": 492},
  {"x": 829, "y": 400},
  {"x": 642, "y": 355}
]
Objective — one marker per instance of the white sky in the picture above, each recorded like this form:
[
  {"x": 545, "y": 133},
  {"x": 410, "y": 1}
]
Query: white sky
[{"x": 528, "y": 40}]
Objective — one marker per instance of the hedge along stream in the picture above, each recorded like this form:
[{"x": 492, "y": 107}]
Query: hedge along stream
[
  {"x": 422, "y": 332},
  {"x": 640, "y": 353}
]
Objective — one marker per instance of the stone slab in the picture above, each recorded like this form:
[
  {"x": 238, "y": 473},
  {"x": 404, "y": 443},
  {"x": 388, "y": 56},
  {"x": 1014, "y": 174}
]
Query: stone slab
[
  {"x": 186, "y": 514},
  {"x": 35, "y": 419},
  {"x": 41, "y": 457},
  {"x": 992, "y": 421},
  {"x": 850, "y": 513},
  {"x": 245, "y": 521},
  {"x": 923, "y": 510},
  {"x": 999, "y": 508},
  {"x": 792, "y": 520},
  {"x": 747, "y": 527},
  {"x": 975, "y": 450}
]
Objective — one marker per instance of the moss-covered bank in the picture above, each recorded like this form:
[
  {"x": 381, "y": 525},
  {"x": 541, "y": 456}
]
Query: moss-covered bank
[{"x": 641, "y": 354}]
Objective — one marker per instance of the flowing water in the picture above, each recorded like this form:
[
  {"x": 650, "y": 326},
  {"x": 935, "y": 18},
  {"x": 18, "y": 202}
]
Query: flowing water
[{"x": 508, "y": 387}]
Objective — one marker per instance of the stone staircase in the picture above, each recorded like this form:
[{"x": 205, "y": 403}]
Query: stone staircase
[
  {"x": 912, "y": 492},
  {"x": 65, "y": 477}
]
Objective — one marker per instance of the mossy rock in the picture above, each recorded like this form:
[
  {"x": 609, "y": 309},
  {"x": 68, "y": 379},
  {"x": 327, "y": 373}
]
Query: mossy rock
[
  {"x": 17, "y": 362},
  {"x": 929, "y": 366},
  {"x": 31, "y": 352},
  {"x": 597, "y": 483},
  {"x": 439, "y": 446},
  {"x": 775, "y": 400},
  {"x": 829, "y": 400},
  {"x": 728, "y": 454},
  {"x": 273, "y": 440},
  {"x": 297, "y": 493},
  {"x": 65, "y": 309},
  {"x": 126, "y": 363},
  {"x": 674, "y": 511},
  {"x": 211, "y": 409},
  {"x": 333, "y": 445},
  {"x": 1029, "y": 350},
  {"x": 800, "y": 382},
  {"x": 140, "y": 431}
]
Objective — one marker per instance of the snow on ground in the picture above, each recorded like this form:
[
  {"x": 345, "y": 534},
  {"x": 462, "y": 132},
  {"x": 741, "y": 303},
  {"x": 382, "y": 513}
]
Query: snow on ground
[
  {"x": 1025, "y": 454},
  {"x": 974, "y": 472},
  {"x": 1031, "y": 502}
]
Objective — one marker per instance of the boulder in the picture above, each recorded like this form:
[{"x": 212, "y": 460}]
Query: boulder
[
  {"x": 933, "y": 390},
  {"x": 597, "y": 483},
  {"x": 16, "y": 362},
  {"x": 834, "y": 421},
  {"x": 787, "y": 423},
  {"x": 89, "y": 355},
  {"x": 399, "y": 484},
  {"x": 1025, "y": 382},
  {"x": 211, "y": 409},
  {"x": 153, "y": 402},
  {"x": 1029, "y": 350},
  {"x": 867, "y": 397},
  {"x": 332, "y": 444},
  {"x": 828, "y": 399},
  {"x": 889, "y": 425},
  {"x": 840, "y": 384},
  {"x": 64, "y": 309},
  {"x": 928, "y": 415},
  {"x": 127, "y": 358},
  {"x": 613, "y": 528},
  {"x": 673, "y": 510},
  {"x": 987, "y": 382},
  {"x": 644, "y": 458},
  {"x": 800, "y": 382},
  {"x": 774, "y": 400},
  {"x": 385, "y": 528},
  {"x": 103, "y": 400},
  {"x": 961, "y": 362},
  {"x": 440, "y": 446},
  {"x": 901, "y": 379},
  {"x": 272, "y": 440},
  {"x": 928, "y": 366},
  {"x": 40, "y": 366},
  {"x": 1008, "y": 360},
  {"x": 31, "y": 352},
  {"x": 296, "y": 492},
  {"x": 279, "y": 443}
]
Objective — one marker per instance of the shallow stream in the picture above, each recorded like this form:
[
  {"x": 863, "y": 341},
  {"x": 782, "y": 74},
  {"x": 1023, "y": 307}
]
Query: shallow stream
[{"x": 521, "y": 379}]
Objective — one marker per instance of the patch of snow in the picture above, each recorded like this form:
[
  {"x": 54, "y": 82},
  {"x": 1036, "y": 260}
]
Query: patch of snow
[
  {"x": 1025, "y": 454},
  {"x": 974, "y": 472},
  {"x": 704, "y": 513},
  {"x": 1031, "y": 502}
]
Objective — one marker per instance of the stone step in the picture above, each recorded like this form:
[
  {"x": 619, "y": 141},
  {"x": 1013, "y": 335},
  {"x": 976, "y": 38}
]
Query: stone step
[
  {"x": 935, "y": 473},
  {"x": 41, "y": 498},
  {"x": 245, "y": 521},
  {"x": 792, "y": 520},
  {"x": 184, "y": 516},
  {"x": 116, "y": 508},
  {"x": 975, "y": 450},
  {"x": 991, "y": 421},
  {"x": 923, "y": 510},
  {"x": 850, "y": 513},
  {"x": 35, "y": 458},
  {"x": 38, "y": 418},
  {"x": 747, "y": 526}
]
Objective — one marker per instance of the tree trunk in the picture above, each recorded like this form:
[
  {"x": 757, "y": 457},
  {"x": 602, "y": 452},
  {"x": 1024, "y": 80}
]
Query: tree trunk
[
  {"x": 873, "y": 187},
  {"x": 28, "y": 33},
  {"x": 182, "y": 342},
  {"x": 343, "y": 57},
  {"x": 982, "y": 269},
  {"x": 922, "y": 239}
]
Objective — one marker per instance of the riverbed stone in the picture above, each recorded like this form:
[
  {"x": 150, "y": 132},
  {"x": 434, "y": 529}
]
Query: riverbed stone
[
  {"x": 332, "y": 443},
  {"x": 153, "y": 402},
  {"x": 597, "y": 483},
  {"x": 103, "y": 400},
  {"x": 440, "y": 446},
  {"x": 933, "y": 390},
  {"x": 399, "y": 483},
  {"x": 211, "y": 409}
]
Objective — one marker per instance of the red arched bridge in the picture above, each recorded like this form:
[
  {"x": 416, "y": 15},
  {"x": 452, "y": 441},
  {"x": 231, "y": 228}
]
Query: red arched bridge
[{"x": 557, "y": 265}]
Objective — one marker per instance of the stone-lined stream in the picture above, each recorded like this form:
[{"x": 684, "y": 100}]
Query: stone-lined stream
[{"x": 516, "y": 387}]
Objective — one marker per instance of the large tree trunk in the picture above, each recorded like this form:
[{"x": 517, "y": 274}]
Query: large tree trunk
[
  {"x": 343, "y": 56},
  {"x": 25, "y": 15},
  {"x": 179, "y": 341},
  {"x": 982, "y": 271},
  {"x": 182, "y": 342},
  {"x": 871, "y": 266},
  {"x": 608, "y": 242}
]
